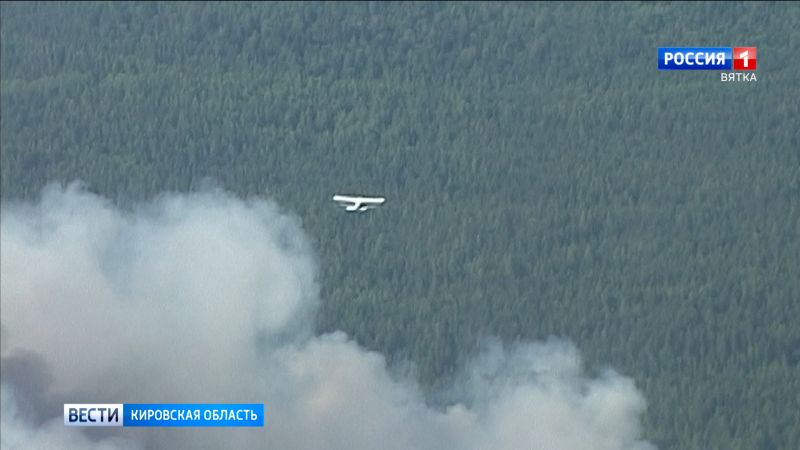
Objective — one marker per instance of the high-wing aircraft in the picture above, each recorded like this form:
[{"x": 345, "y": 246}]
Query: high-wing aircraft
[{"x": 358, "y": 203}]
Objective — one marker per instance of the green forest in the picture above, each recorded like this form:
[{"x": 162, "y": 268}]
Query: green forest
[{"x": 542, "y": 177}]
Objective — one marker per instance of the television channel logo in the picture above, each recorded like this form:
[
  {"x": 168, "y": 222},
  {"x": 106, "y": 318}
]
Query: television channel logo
[
  {"x": 734, "y": 63},
  {"x": 92, "y": 415}
]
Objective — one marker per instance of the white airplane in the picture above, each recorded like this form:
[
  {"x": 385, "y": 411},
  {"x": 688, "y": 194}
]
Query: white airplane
[{"x": 358, "y": 204}]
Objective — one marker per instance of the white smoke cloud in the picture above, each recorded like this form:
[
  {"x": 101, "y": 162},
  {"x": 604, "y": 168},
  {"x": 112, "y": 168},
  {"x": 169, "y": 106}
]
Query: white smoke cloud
[
  {"x": 18, "y": 433},
  {"x": 207, "y": 298}
]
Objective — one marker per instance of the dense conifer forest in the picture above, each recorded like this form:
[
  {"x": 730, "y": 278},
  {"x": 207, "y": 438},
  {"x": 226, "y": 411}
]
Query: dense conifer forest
[{"x": 543, "y": 177}]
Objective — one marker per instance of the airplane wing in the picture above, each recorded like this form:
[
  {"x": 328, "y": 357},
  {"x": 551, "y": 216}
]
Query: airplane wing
[
  {"x": 373, "y": 200},
  {"x": 343, "y": 198}
]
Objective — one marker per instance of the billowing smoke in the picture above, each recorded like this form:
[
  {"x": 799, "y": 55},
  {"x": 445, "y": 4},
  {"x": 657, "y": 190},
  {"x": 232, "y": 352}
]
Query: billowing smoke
[{"x": 205, "y": 298}]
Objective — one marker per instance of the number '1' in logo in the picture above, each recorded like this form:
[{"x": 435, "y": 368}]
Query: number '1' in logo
[{"x": 744, "y": 58}]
